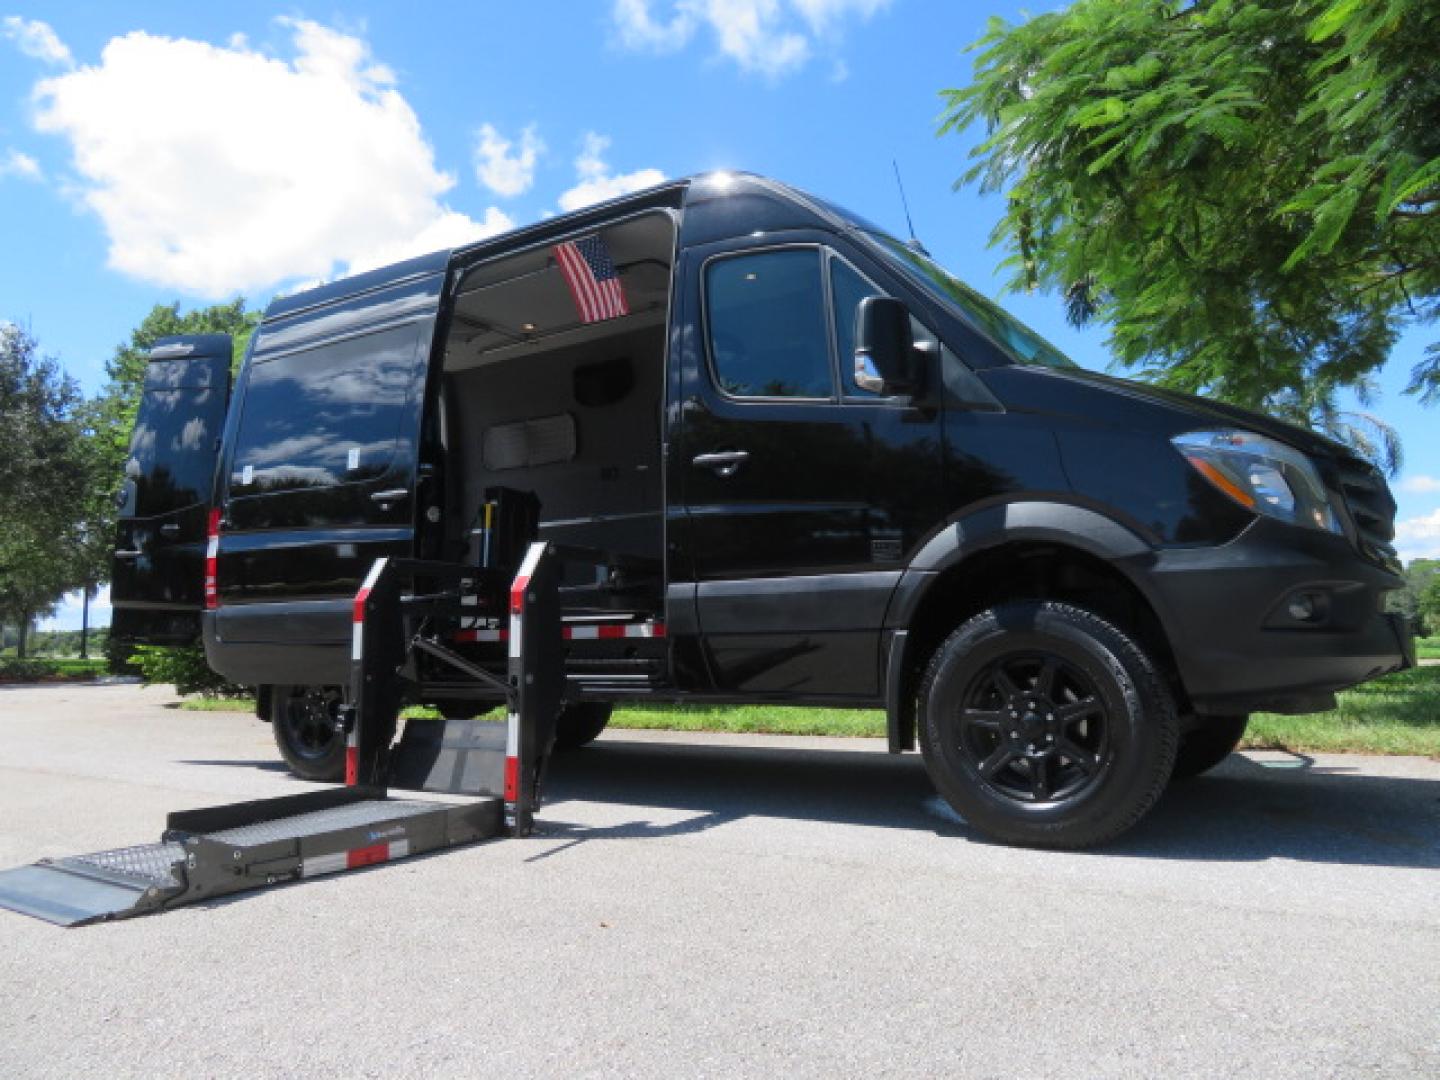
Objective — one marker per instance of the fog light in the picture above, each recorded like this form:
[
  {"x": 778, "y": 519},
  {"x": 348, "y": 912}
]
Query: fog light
[{"x": 1303, "y": 607}]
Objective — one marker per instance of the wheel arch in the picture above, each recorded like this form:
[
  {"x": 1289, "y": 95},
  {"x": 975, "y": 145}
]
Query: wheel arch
[{"x": 1018, "y": 550}]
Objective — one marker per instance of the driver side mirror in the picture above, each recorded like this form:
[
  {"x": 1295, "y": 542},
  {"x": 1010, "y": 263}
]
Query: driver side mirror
[{"x": 886, "y": 359}]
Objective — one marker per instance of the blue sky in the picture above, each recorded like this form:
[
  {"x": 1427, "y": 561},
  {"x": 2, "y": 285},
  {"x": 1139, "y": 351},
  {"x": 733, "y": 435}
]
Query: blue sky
[{"x": 152, "y": 152}]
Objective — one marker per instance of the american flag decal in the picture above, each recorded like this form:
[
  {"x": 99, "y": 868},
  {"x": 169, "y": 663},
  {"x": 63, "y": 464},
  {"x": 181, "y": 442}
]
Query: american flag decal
[{"x": 593, "y": 280}]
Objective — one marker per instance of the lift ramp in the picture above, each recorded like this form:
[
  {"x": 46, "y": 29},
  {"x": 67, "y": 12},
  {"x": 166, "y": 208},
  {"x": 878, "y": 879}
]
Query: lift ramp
[
  {"x": 217, "y": 851},
  {"x": 214, "y": 852}
]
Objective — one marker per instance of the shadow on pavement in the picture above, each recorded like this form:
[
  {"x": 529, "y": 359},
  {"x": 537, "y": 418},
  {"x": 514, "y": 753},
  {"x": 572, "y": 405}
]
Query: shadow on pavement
[
  {"x": 1242, "y": 811},
  {"x": 267, "y": 766},
  {"x": 1286, "y": 808}
]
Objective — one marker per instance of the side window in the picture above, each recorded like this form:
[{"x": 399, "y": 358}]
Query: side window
[
  {"x": 171, "y": 458},
  {"x": 847, "y": 289},
  {"x": 324, "y": 416},
  {"x": 768, "y": 334}
]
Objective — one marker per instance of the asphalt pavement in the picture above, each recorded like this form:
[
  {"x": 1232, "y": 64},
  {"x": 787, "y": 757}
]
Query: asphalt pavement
[{"x": 715, "y": 906}]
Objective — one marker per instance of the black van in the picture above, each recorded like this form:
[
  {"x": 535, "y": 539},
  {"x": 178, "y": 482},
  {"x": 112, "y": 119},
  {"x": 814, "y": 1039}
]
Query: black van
[{"x": 824, "y": 472}]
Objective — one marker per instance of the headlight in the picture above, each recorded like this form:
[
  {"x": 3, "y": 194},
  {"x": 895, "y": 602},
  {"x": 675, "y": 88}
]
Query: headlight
[{"x": 1262, "y": 475}]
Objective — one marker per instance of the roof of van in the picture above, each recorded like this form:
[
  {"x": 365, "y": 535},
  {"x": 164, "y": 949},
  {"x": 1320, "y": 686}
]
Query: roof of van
[{"x": 671, "y": 193}]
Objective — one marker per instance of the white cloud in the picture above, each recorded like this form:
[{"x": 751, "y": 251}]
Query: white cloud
[
  {"x": 337, "y": 176},
  {"x": 503, "y": 168},
  {"x": 823, "y": 14},
  {"x": 36, "y": 39},
  {"x": 748, "y": 32},
  {"x": 638, "y": 30},
  {"x": 597, "y": 183},
  {"x": 767, "y": 37},
  {"x": 14, "y": 163},
  {"x": 1420, "y": 485},
  {"x": 450, "y": 230},
  {"x": 1419, "y": 537}
]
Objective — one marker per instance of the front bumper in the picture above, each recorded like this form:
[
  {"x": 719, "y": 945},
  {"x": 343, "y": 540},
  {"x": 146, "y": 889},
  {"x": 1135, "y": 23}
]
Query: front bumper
[{"x": 1238, "y": 644}]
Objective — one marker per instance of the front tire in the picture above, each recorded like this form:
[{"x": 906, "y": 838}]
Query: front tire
[
  {"x": 1208, "y": 745},
  {"x": 302, "y": 719},
  {"x": 1044, "y": 725}
]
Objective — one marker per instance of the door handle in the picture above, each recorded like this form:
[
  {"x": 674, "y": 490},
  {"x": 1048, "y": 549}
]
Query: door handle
[
  {"x": 124, "y": 554},
  {"x": 169, "y": 529},
  {"x": 393, "y": 495},
  {"x": 725, "y": 463}
]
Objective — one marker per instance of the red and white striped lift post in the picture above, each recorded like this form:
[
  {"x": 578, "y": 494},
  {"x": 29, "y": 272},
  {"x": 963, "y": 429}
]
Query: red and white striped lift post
[
  {"x": 537, "y": 683},
  {"x": 376, "y": 653}
]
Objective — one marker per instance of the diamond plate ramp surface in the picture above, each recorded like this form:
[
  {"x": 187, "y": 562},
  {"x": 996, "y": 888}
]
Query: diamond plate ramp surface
[
  {"x": 322, "y": 821},
  {"x": 87, "y": 888}
]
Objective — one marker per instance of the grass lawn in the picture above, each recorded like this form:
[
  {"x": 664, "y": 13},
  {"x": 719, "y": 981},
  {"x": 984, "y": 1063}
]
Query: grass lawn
[
  {"x": 77, "y": 668},
  {"x": 1399, "y": 714},
  {"x": 51, "y": 669},
  {"x": 1428, "y": 648}
]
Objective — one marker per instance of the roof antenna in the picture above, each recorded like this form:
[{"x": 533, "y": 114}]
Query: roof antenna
[{"x": 914, "y": 242}]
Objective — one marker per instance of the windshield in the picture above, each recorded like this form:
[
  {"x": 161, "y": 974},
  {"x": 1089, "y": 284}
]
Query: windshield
[{"x": 1022, "y": 344}]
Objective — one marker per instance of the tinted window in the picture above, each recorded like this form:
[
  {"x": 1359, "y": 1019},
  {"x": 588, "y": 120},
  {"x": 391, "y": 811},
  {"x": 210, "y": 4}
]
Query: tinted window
[
  {"x": 768, "y": 335},
  {"x": 324, "y": 416},
  {"x": 172, "y": 450},
  {"x": 1022, "y": 344},
  {"x": 848, "y": 288}
]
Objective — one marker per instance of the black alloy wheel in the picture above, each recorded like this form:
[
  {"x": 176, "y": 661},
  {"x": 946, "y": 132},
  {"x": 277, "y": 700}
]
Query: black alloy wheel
[
  {"x": 1043, "y": 724},
  {"x": 1034, "y": 728},
  {"x": 304, "y": 723}
]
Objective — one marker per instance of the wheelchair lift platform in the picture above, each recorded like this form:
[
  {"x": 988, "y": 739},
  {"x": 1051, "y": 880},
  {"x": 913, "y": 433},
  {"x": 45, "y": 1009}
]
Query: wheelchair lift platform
[{"x": 405, "y": 610}]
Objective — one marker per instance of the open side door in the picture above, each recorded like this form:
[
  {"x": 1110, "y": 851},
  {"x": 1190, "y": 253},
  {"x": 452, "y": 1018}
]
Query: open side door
[{"x": 157, "y": 571}]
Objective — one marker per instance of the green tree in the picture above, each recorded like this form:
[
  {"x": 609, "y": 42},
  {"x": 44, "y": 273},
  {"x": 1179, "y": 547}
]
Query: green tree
[
  {"x": 44, "y": 482},
  {"x": 1427, "y": 601},
  {"x": 1247, "y": 192},
  {"x": 1419, "y": 573}
]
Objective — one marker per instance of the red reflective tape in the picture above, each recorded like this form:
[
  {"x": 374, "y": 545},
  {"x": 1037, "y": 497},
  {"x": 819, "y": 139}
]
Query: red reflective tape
[
  {"x": 352, "y": 766},
  {"x": 367, "y": 856},
  {"x": 360, "y": 598},
  {"x": 517, "y": 594},
  {"x": 572, "y": 633},
  {"x": 512, "y": 779},
  {"x": 212, "y": 561}
]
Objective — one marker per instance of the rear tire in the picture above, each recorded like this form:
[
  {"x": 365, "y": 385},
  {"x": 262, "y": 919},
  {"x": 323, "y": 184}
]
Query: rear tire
[
  {"x": 580, "y": 723},
  {"x": 302, "y": 719},
  {"x": 1207, "y": 746},
  {"x": 1044, "y": 725}
]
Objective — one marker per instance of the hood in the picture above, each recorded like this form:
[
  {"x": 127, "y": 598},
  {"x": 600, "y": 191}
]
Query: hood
[{"x": 1200, "y": 412}]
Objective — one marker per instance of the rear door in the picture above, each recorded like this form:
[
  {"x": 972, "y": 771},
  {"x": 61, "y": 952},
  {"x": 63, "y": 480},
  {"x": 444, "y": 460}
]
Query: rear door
[{"x": 158, "y": 564}]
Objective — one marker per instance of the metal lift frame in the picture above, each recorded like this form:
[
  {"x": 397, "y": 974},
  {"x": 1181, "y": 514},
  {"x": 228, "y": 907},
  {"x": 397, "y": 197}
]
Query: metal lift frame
[
  {"x": 389, "y": 635},
  {"x": 216, "y": 851}
]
